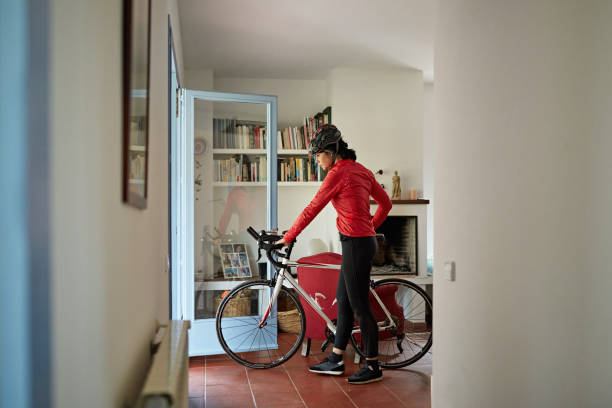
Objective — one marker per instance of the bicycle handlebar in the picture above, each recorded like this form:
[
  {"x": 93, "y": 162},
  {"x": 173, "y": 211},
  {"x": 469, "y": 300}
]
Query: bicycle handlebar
[{"x": 267, "y": 242}]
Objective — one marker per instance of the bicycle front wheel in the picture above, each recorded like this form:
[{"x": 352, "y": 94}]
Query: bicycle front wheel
[
  {"x": 407, "y": 335},
  {"x": 254, "y": 342}
]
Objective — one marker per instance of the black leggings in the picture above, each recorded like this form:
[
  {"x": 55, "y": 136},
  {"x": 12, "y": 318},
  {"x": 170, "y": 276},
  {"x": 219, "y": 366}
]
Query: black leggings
[{"x": 353, "y": 293}]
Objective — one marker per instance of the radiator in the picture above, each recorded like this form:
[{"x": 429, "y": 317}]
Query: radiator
[{"x": 167, "y": 384}]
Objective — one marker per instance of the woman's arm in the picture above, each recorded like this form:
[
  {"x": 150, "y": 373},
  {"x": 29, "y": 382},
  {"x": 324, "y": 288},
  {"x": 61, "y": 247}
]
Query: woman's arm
[
  {"x": 332, "y": 183},
  {"x": 384, "y": 204}
]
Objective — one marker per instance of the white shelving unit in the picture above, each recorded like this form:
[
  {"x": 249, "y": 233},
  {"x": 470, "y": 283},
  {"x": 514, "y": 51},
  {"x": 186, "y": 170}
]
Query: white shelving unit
[
  {"x": 292, "y": 152},
  {"x": 221, "y": 153},
  {"x": 263, "y": 183},
  {"x": 259, "y": 152},
  {"x": 254, "y": 152}
]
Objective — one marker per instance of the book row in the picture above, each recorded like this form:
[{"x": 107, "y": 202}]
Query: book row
[
  {"x": 299, "y": 137},
  {"x": 243, "y": 168},
  {"x": 237, "y": 134},
  {"x": 300, "y": 169},
  {"x": 233, "y": 134}
]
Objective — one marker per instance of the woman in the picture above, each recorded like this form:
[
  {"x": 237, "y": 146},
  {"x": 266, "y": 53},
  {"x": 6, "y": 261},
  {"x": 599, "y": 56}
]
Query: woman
[{"x": 349, "y": 186}]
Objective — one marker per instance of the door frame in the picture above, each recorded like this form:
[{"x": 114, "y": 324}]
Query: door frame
[
  {"x": 183, "y": 252},
  {"x": 25, "y": 262},
  {"x": 174, "y": 85}
]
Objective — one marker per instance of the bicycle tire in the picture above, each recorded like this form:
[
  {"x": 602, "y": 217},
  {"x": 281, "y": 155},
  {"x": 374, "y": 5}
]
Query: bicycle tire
[
  {"x": 239, "y": 333},
  {"x": 404, "y": 347}
]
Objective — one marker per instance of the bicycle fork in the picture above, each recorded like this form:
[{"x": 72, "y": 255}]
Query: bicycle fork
[{"x": 273, "y": 298}]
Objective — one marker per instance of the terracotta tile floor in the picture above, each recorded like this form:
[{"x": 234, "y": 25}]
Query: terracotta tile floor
[{"x": 218, "y": 381}]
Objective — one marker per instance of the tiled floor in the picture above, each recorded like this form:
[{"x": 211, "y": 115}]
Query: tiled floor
[{"x": 218, "y": 381}]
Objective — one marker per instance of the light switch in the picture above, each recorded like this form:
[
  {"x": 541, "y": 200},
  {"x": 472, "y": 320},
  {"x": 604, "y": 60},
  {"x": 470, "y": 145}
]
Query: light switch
[{"x": 449, "y": 271}]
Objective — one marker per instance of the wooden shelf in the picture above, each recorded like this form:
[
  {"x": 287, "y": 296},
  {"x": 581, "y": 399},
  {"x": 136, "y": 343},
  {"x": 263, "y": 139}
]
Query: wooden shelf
[{"x": 418, "y": 201}]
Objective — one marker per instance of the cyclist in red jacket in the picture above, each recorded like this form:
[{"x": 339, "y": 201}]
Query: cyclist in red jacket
[{"x": 348, "y": 185}]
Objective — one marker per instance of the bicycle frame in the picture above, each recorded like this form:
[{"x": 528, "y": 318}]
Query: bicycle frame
[{"x": 283, "y": 275}]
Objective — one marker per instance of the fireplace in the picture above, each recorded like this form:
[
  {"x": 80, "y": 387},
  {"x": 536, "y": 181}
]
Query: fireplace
[{"x": 398, "y": 253}]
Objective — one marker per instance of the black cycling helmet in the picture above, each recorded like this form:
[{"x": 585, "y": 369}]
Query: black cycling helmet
[{"x": 324, "y": 137}]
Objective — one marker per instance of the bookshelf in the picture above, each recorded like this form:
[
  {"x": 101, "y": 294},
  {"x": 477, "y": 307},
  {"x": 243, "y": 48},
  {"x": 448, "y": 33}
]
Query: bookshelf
[
  {"x": 240, "y": 155},
  {"x": 263, "y": 183},
  {"x": 260, "y": 152}
]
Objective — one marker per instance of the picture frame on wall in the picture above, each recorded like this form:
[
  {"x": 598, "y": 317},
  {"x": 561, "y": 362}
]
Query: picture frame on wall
[
  {"x": 136, "y": 73},
  {"x": 235, "y": 261}
]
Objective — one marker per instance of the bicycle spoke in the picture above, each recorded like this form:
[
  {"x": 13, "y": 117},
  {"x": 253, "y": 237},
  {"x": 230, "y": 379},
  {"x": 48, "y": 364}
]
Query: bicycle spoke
[
  {"x": 248, "y": 343},
  {"x": 241, "y": 334},
  {"x": 240, "y": 325},
  {"x": 410, "y": 311},
  {"x": 265, "y": 343},
  {"x": 411, "y": 325}
]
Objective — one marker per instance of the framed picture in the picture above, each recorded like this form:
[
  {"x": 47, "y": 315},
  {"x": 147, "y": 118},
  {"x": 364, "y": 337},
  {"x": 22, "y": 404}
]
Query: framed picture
[
  {"x": 136, "y": 61},
  {"x": 235, "y": 261}
]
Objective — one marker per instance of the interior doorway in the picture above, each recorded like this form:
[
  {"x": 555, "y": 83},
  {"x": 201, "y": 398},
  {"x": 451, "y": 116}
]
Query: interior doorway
[
  {"x": 224, "y": 158},
  {"x": 174, "y": 155}
]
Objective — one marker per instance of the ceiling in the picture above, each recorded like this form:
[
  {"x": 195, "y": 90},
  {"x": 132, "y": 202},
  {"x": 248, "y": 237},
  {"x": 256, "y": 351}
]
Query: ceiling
[{"x": 291, "y": 39}]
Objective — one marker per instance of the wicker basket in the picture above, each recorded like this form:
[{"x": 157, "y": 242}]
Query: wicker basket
[
  {"x": 289, "y": 321},
  {"x": 240, "y": 306}
]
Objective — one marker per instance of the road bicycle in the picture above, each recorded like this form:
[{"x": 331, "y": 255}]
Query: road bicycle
[{"x": 261, "y": 323}]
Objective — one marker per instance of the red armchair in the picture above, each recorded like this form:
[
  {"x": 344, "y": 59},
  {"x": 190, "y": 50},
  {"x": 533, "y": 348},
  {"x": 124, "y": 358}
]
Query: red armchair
[{"x": 321, "y": 283}]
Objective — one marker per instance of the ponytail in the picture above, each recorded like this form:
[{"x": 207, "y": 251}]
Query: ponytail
[{"x": 345, "y": 152}]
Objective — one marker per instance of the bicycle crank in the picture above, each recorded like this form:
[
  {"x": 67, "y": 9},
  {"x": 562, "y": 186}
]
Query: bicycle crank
[{"x": 330, "y": 337}]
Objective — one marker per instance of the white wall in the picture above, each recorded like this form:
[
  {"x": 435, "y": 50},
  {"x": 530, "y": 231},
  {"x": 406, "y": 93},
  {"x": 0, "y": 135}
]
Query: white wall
[
  {"x": 522, "y": 198},
  {"x": 109, "y": 273},
  {"x": 198, "y": 79},
  {"x": 428, "y": 160},
  {"x": 296, "y": 97},
  {"x": 598, "y": 319},
  {"x": 380, "y": 114}
]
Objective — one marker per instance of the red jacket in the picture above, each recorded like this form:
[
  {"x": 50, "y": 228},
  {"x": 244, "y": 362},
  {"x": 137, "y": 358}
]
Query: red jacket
[{"x": 349, "y": 186}]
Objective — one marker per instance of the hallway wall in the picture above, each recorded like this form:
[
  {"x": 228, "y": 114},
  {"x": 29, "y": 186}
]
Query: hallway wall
[
  {"x": 523, "y": 193},
  {"x": 109, "y": 260},
  {"x": 598, "y": 271}
]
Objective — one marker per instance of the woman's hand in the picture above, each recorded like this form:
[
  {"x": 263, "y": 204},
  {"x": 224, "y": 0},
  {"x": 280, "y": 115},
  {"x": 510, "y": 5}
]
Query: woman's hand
[{"x": 281, "y": 241}]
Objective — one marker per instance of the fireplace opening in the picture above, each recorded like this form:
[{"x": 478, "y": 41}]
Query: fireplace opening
[{"x": 397, "y": 254}]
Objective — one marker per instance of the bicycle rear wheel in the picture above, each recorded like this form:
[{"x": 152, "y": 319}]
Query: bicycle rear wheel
[
  {"x": 238, "y": 325},
  {"x": 409, "y": 336}
]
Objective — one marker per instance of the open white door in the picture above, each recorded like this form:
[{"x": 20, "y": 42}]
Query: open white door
[{"x": 226, "y": 181}]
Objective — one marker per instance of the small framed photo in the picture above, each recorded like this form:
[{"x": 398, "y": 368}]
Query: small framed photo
[
  {"x": 235, "y": 261},
  {"x": 231, "y": 273}
]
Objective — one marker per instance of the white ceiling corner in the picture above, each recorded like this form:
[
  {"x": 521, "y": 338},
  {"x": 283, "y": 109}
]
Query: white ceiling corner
[{"x": 291, "y": 39}]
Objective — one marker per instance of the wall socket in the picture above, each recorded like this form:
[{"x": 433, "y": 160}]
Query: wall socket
[{"x": 449, "y": 271}]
